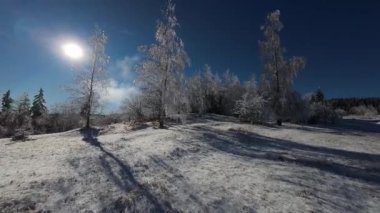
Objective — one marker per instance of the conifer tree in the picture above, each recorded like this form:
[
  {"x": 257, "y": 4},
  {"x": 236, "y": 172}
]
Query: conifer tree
[
  {"x": 38, "y": 105},
  {"x": 318, "y": 96},
  {"x": 6, "y": 103}
]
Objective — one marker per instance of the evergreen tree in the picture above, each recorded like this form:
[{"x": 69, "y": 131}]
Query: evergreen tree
[
  {"x": 318, "y": 96},
  {"x": 38, "y": 106},
  {"x": 6, "y": 103}
]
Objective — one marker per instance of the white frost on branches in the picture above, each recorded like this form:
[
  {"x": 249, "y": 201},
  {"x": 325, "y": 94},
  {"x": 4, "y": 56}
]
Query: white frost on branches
[
  {"x": 91, "y": 82},
  {"x": 161, "y": 71},
  {"x": 277, "y": 80},
  {"x": 251, "y": 106}
]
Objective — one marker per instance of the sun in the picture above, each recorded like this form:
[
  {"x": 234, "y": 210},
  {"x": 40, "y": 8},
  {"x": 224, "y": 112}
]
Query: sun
[{"x": 72, "y": 50}]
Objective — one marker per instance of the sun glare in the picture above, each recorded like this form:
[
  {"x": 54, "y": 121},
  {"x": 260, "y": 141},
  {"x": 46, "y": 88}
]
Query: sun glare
[{"x": 72, "y": 50}]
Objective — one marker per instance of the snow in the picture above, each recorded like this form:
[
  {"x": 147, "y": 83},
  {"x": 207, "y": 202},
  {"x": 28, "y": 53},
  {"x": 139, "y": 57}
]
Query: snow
[{"x": 211, "y": 164}]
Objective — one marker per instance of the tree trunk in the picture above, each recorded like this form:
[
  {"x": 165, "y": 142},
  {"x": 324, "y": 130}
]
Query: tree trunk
[
  {"x": 161, "y": 116},
  {"x": 87, "y": 121},
  {"x": 89, "y": 106},
  {"x": 163, "y": 96},
  {"x": 279, "y": 121}
]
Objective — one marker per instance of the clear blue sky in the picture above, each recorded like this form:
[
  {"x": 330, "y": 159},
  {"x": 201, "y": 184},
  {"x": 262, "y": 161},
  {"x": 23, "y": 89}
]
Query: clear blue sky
[{"x": 340, "y": 40}]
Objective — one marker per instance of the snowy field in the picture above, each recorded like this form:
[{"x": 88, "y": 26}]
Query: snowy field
[{"x": 213, "y": 164}]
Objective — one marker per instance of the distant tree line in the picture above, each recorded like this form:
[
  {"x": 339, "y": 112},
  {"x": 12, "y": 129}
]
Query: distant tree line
[
  {"x": 348, "y": 103},
  {"x": 359, "y": 106}
]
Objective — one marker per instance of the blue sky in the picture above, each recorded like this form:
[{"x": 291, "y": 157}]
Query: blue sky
[{"x": 341, "y": 41}]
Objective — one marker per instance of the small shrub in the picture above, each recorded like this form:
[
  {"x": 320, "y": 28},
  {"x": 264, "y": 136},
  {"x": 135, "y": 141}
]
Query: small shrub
[
  {"x": 13, "y": 120},
  {"x": 107, "y": 119},
  {"x": 20, "y": 135},
  {"x": 363, "y": 110},
  {"x": 40, "y": 124},
  {"x": 340, "y": 112},
  {"x": 250, "y": 109},
  {"x": 322, "y": 113},
  {"x": 297, "y": 111},
  {"x": 3, "y": 131},
  {"x": 62, "y": 122},
  {"x": 133, "y": 109}
]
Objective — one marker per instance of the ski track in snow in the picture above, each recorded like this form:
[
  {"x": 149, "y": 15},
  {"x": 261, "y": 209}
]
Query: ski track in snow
[{"x": 208, "y": 165}]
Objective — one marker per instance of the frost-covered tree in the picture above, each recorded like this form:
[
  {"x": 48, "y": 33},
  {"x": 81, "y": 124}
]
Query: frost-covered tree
[
  {"x": 38, "y": 106},
  {"x": 209, "y": 93},
  {"x": 64, "y": 116},
  {"x": 161, "y": 71},
  {"x": 319, "y": 110},
  {"x": 196, "y": 94},
  {"x": 23, "y": 111},
  {"x": 23, "y": 104},
  {"x": 8, "y": 122},
  {"x": 279, "y": 72},
  {"x": 318, "y": 96},
  {"x": 91, "y": 81},
  {"x": 211, "y": 84},
  {"x": 181, "y": 99},
  {"x": 251, "y": 105},
  {"x": 132, "y": 107},
  {"x": 6, "y": 101},
  {"x": 231, "y": 91}
]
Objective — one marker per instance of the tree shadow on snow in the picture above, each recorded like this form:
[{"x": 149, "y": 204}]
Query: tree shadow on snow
[
  {"x": 354, "y": 127},
  {"x": 125, "y": 179},
  {"x": 361, "y": 166},
  {"x": 177, "y": 179},
  {"x": 328, "y": 129},
  {"x": 325, "y": 195},
  {"x": 357, "y": 125}
]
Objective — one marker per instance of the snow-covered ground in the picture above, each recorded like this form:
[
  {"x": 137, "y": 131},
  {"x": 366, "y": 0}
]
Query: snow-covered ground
[{"x": 213, "y": 164}]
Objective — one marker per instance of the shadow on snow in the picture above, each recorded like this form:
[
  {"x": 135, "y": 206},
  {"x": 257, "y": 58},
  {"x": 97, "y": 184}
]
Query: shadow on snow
[
  {"x": 362, "y": 166},
  {"x": 125, "y": 180}
]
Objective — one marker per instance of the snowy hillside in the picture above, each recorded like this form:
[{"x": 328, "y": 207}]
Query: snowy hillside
[{"x": 207, "y": 165}]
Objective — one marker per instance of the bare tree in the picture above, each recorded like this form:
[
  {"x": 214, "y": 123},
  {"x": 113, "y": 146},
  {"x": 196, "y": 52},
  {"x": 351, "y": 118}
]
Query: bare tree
[
  {"x": 161, "y": 73},
  {"x": 132, "y": 107},
  {"x": 91, "y": 81},
  {"x": 277, "y": 80},
  {"x": 63, "y": 117}
]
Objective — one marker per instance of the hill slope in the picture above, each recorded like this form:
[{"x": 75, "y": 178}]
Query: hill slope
[{"x": 210, "y": 164}]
